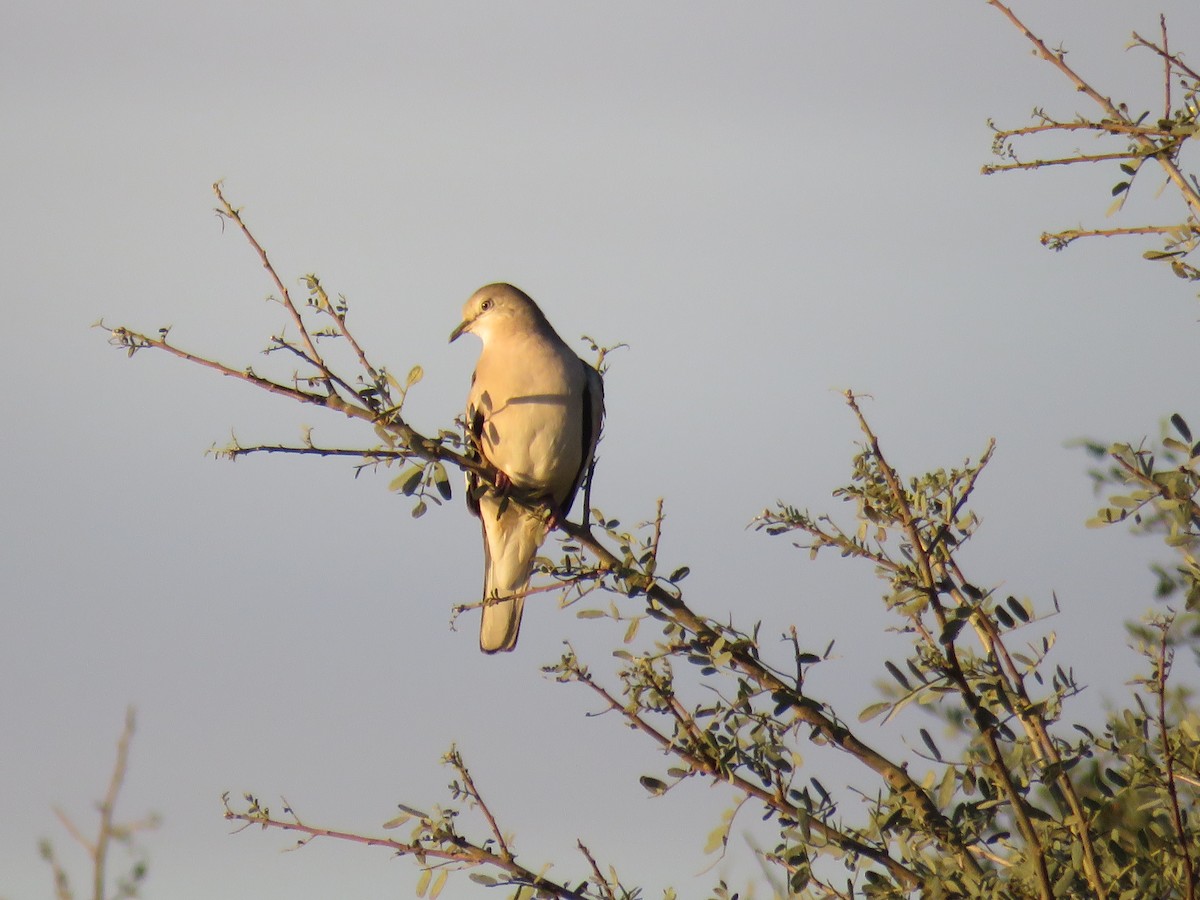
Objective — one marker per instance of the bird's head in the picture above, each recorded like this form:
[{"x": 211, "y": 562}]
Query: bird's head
[{"x": 498, "y": 307}]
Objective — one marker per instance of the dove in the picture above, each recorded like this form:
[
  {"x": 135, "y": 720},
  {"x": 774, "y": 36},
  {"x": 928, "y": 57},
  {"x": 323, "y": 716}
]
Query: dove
[{"x": 534, "y": 413}]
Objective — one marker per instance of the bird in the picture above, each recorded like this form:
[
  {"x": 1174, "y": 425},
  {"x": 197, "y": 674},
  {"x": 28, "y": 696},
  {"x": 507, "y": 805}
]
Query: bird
[{"x": 534, "y": 413}]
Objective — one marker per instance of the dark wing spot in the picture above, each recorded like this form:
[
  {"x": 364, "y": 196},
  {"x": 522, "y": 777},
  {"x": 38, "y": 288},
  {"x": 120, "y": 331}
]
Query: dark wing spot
[{"x": 476, "y": 425}]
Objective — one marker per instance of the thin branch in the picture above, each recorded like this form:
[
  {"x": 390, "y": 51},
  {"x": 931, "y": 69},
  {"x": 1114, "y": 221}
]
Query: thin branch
[
  {"x": 134, "y": 341},
  {"x": 73, "y": 830},
  {"x": 992, "y": 169},
  {"x": 601, "y": 881},
  {"x": 339, "y": 316},
  {"x": 108, "y": 806},
  {"x": 280, "y": 344},
  {"x": 469, "y": 783},
  {"x": 1167, "y": 57},
  {"x": 1063, "y": 238},
  {"x": 1106, "y": 127},
  {"x": 460, "y": 850},
  {"x": 1164, "y": 660},
  {"x": 369, "y": 454},
  {"x": 286, "y": 298},
  {"x": 1162, "y": 24}
]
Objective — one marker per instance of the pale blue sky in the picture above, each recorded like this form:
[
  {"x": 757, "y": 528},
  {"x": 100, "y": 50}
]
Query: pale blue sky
[{"x": 768, "y": 203}]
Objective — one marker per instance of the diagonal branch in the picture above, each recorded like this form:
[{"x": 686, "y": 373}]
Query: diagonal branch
[
  {"x": 1171, "y": 59},
  {"x": 440, "y": 844},
  {"x": 776, "y": 801},
  {"x": 1163, "y": 670},
  {"x": 235, "y": 215}
]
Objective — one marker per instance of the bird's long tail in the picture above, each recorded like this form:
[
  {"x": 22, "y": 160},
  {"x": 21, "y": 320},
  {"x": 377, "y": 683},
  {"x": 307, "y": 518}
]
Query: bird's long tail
[{"x": 511, "y": 540}]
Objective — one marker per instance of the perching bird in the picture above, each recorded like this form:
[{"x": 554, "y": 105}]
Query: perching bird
[{"x": 534, "y": 411}]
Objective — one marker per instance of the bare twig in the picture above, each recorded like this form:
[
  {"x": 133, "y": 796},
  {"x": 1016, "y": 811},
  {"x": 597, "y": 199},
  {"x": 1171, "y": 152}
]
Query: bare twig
[
  {"x": 1061, "y": 161},
  {"x": 469, "y": 783},
  {"x": 108, "y": 806},
  {"x": 1065, "y": 237},
  {"x": 601, "y": 882},
  {"x": 1162, "y": 24},
  {"x": 1173, "y": 60},
  {"x": 229, "y": 212},
  {"x": 436, "y": 844},
  {"x": 1105, "y": 127}
]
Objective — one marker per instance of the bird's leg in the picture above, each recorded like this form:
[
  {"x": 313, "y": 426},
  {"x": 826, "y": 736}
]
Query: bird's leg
[
  {"x": 557, "y": 516},
  {"x": 503, "y": 482}
]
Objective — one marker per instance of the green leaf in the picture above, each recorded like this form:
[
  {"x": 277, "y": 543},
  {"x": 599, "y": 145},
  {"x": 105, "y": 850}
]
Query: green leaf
[
  {"x": 875, "y": 709},
  {"x": 438, "y": 884},
  {"x": 423, "y": 882},
  {"x": 406, "y": 482},
  {"x": 653, "y": 785},
  {"x": 950, "y": 632},
  {"x": 1018, "y": 609},
  {"x": 419, "y": 510},
  {"x": 1120, "y": 188},
  {"x": 1182, "y": 427},
  {"x": 931, "y": 745},
  {"x": 398, "y": 820},
  {"x": 441, "y": 480},
  {"x": 897, "y": 674},
  {"x": 717, "y": 838},
  {"x": 415, "y": 374}
]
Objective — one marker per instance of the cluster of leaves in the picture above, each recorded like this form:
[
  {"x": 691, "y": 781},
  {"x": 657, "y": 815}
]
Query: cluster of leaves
[{"x": 1155, "y": 488}]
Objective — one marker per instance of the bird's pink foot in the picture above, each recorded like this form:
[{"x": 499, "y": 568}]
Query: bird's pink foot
[
  {"x": 555, "y": 519},
  {"x": 503, "y": 482}
]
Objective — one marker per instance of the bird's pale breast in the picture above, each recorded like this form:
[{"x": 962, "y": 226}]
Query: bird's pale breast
[{"x": 533, "y": 434}]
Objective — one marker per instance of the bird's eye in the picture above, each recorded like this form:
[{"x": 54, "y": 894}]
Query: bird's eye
[{"x": 485, "y": 305}]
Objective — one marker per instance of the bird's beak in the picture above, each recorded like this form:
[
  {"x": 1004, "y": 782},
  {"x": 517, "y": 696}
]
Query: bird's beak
[{"x": 463, "y": 326}]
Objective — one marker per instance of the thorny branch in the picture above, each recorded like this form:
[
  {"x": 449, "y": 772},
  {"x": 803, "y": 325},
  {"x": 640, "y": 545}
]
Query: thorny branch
[
  {"x": 435, "y": 836},
  {"x": 1161, "y": 142},
  {"x": 571, "y": 670}
]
